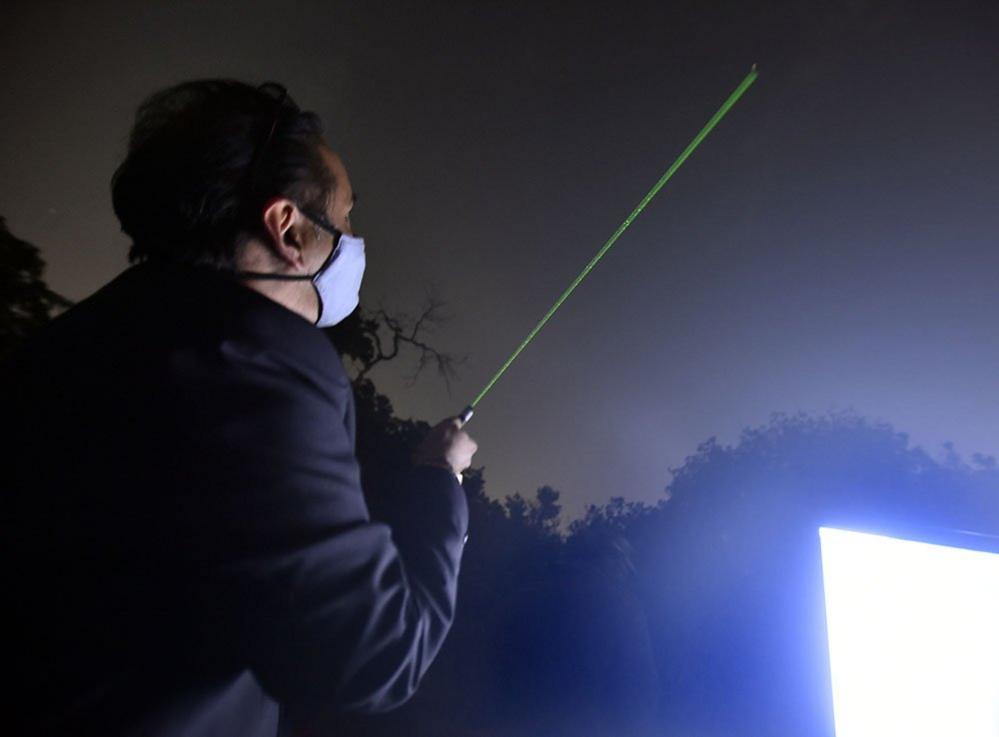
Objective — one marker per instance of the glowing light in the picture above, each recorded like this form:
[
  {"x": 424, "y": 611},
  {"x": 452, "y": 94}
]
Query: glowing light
[
  {"x": 746, "y": 83},
  {"x": 913, "y": 637}
]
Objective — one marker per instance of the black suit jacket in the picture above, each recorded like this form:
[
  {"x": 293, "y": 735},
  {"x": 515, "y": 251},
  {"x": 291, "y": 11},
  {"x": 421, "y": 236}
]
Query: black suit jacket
[{"x": 187, "y": 543}]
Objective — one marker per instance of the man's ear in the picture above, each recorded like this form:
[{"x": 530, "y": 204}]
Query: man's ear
[{"x": 282, "y": 223}]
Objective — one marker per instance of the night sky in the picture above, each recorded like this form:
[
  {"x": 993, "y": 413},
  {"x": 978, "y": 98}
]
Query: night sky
[{"x": 833, "y": 245}]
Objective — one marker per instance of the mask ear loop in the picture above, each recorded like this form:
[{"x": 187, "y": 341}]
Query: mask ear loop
[{"x": 252, "y": 177}]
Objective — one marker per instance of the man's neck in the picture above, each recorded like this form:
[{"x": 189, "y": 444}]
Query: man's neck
[{"x": 298, "y": 296}]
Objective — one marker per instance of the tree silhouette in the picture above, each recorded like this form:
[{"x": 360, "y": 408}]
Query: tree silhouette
[
  {"x": 368, "y": 338},
  {"x": 26, "y": 302}
]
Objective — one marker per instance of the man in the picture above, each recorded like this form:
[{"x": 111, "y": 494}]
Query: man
[{"x": 188, "y": 545}]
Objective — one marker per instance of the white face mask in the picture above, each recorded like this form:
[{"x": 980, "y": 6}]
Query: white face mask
[{"x": 338, "y": 281}]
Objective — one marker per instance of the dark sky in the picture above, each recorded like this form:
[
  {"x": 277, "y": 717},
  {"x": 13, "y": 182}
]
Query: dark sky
[{"x": 834, "y": 244}]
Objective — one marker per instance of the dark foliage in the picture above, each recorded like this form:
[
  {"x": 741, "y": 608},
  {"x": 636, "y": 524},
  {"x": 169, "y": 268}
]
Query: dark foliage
[{"x": 26, "y": 302}]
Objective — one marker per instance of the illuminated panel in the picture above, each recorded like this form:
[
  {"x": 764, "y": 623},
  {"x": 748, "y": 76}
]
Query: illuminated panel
[{"x": 913, "y": 637}]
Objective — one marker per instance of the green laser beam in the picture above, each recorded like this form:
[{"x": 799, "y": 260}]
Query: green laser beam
[{"x": 715, "y": 119}]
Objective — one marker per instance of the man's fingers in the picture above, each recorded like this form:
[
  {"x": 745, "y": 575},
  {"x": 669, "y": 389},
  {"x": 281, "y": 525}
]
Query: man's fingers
[{"x": 447, "y": 444}]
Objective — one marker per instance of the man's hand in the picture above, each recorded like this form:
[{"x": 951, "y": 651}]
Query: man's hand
[{"x": 446, "y": 446}]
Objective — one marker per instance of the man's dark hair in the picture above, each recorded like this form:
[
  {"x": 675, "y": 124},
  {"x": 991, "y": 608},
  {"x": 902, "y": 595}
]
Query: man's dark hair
[{"x": 203, "y": 158}]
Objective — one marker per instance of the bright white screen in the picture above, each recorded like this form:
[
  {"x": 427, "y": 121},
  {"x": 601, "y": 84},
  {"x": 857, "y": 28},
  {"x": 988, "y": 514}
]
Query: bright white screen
[{"x": 913, "y": 637}]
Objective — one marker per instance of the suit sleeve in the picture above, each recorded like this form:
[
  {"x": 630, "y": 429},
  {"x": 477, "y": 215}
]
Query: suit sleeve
[{"x": 332, "y": 609}]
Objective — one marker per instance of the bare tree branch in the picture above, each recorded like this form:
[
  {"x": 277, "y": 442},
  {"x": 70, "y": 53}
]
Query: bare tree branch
[{"x": 403, "y": 330}]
